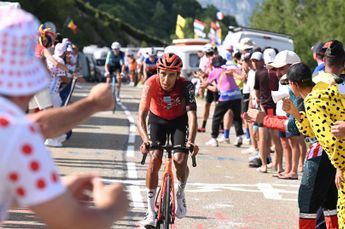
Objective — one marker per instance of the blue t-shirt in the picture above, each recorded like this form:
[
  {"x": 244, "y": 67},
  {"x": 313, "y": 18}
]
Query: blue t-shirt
[{"x": 320, "y": 67}]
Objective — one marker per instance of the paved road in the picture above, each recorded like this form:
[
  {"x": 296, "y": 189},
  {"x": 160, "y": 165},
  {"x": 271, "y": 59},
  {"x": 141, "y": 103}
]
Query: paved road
[{"x": 222, "y": 192}]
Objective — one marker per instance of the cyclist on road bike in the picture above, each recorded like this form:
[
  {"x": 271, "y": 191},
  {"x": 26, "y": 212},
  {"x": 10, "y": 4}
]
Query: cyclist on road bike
[
  {"x": 169, "y": 102},
  {"x": 115, "y": 64}
]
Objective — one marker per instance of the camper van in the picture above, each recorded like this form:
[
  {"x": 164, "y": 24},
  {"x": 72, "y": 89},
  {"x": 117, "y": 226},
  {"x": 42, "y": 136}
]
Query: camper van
[
  {"x": 187, "y": 50},
  {"x": 261, "y": 38}
]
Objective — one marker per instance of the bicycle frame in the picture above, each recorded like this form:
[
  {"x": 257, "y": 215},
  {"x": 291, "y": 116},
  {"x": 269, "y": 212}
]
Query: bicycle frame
[{"x": 167, "y": 174}]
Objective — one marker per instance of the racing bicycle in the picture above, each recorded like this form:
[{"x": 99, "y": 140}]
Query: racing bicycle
[{"x": 165, "y": 198}]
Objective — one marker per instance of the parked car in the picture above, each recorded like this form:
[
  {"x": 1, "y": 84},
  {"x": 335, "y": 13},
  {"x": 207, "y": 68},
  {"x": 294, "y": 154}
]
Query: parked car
[{"x": 261, "y": 38}]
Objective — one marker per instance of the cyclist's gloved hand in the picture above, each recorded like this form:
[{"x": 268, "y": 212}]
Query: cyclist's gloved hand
[
  {"x": 195, "y": 148},
  {"x": 144, "y": 148}
]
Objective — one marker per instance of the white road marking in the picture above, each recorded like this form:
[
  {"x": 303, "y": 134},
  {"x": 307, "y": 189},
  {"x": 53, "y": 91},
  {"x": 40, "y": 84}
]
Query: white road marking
[
  {"x": 134, "y": 188},
  {"x": 269, "y": 192},
  {"x": 131, "y": 170},
  {"x": 130, "y": 151},
  {"x": 131, "y": 139}
]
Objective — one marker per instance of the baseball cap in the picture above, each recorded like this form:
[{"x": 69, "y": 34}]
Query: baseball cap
[
  {"x": 318, "y": 48},
  {"x": 60, "y": 49},
  {"x": 283, "y": 58},
  {"x": 21, "y": 73},
  {"x": 269, "y": 55},
  {"x": 256, "y": 56}
]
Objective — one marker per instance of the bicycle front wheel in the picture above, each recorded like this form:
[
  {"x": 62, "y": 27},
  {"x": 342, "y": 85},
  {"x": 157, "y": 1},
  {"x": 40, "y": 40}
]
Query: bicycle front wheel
[{"x": 167, "y": 203}]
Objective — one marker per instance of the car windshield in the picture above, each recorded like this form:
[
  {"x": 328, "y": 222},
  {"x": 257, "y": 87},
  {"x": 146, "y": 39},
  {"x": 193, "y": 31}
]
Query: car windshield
[{"x": 194, "y": 60}]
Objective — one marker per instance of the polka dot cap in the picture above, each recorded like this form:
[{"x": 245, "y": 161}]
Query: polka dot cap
[{"x": 21, "y": 73}]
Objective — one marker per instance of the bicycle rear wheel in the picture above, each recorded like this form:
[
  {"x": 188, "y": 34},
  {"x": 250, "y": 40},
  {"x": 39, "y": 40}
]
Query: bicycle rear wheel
[{"x": 167, "y": 203}]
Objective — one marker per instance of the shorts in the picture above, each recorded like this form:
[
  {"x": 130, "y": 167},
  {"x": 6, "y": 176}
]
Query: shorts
[
  {"x": 283, "y": 134},
  {"x": 115, "y": 69},
  {"x": 211, "y": 96},
  {"x": 176, "y": 128},
  {"x": 245, "y": 102}
]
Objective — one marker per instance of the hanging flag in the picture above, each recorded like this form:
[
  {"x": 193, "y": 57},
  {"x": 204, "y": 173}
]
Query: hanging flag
[
  {"x": 199, "y": 27},
  {"x": 180, "y": 24},
  {"x": 215, "y": 33},
  {"x": 72, "y": 26}
]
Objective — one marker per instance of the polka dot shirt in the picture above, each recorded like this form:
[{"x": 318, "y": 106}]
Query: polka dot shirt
[
  {"x": 27, "y": 172},
  {"x": 323, "y": 108}
]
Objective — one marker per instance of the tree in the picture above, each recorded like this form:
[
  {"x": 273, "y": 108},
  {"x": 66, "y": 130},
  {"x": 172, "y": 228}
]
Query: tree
[{"x": 308, "y": 21}]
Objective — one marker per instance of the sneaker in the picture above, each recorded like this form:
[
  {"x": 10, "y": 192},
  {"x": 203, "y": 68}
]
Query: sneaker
[
  {"x": 212, "y": 142},
  {"x": 150, "y": 219},
  {"x": 238, "y": 142},
  {"x": 255, "y": 163},
  {"x": 61, "y": 138},
  {"x": 201, "y": 130},
  {"x": 53, "y": 142},
  {"x": 223, "y": 140},
  {"x": 247, "y": 141},
  {"x": 181, "y": 209}
]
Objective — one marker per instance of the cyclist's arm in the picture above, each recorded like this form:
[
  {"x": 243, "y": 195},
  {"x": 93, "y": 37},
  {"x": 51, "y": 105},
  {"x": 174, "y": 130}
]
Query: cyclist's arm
[
  {"x": 107, "y": 64},
  {"x": 144, "y": 107},
  {"x": 192, "y": 125},
  {"x": 191, "y": 111}
]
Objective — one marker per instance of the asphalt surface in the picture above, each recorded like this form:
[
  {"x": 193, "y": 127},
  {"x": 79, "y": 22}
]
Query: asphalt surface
[{"x": 222, "y": 191}]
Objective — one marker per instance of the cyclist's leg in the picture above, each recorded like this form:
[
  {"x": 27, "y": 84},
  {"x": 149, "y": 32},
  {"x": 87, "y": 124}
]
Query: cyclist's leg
[
  {"x": 156, "y": 136},
  {"x": 178, "y": 133},
  {"x": 119, "y": 81}
]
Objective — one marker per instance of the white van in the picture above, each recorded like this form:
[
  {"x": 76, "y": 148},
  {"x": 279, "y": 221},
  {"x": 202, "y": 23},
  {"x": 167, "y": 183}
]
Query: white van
[
  {"x": 187, "y": 50},
  {"x": 261, "y": 38}
]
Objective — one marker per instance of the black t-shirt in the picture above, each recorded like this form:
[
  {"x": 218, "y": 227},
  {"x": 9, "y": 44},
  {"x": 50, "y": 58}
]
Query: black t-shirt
[{"x": 265, "y": 82}]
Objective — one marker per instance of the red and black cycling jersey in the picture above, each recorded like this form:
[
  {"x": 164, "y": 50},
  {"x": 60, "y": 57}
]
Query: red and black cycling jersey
[{"x": 168, "y": 105}]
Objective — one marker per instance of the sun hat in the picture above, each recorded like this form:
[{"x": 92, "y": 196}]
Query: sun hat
[
  {"x": 246, "y": 43},
  {"x": 283, "y": 58},
  {"x": 21, "y": 73}
]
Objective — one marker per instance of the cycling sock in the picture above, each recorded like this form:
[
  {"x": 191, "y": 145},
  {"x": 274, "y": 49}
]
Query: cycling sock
[
  {"x": 151, "y": 194},
  {"x": 247, "y": 133},
  {"x": 204, "y": 124},
  {"x": 226, "y": 133},
  {"x": 180, "y": 186}
]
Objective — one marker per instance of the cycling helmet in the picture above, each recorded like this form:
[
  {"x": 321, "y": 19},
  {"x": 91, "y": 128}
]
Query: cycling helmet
[
  {"x": 170, "y": 62},
  {"x": 46, "y": 37},
  {"x": 115, "y": 45}
]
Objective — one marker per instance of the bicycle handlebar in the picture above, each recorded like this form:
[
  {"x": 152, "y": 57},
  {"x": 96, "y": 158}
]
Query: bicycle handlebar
[{"x": 143, "y": 159}]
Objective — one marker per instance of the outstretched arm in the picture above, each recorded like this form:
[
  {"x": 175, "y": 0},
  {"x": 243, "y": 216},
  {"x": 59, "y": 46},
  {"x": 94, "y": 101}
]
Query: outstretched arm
[{"x": 56, "y": 121}]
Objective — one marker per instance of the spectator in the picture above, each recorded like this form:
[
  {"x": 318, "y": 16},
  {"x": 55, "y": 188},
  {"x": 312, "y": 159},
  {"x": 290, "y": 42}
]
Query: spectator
[{"x": 37, "y": 185}]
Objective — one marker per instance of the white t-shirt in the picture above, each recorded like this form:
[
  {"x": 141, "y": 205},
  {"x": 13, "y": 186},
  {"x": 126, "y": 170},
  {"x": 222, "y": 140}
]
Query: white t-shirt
[
  {"x": 204, "y": 64},
  {"x": 248, "y": 86},
  {"x": 28, "y": 175},
  {"x": 56, "y": 73}
]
